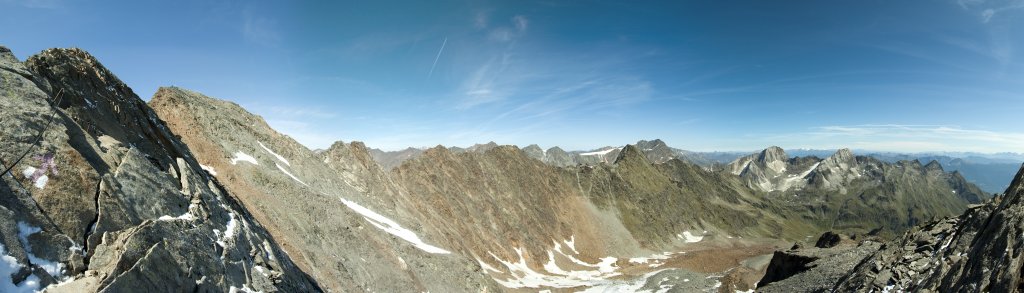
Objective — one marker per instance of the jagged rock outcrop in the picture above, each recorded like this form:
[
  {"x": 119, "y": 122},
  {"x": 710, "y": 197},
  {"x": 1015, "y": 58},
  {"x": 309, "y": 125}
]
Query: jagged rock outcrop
[
  {"x": 657, "y": 151},
  {"x": 835, "y": 172},
  {"x": 556, "y": 156},
  {"x": 977, "y": 251},
  {"x": 763, "y": 170},
  {"x": 107, "y": 199},
  {"x": 813, "y": 269}
]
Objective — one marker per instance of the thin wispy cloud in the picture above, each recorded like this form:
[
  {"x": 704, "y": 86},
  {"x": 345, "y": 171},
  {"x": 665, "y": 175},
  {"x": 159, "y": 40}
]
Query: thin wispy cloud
[
  {"x": 488, "y": 83},
  {"x": 907, "y": 138},
  {"x": 508, "y": 33},
  {"x": 438, "y": 57},
  {"x": 480, "y": 20},
  {"x": 988, "y": 9},
  {"x": 259, "y": 29},
  {"x": 521, "y": 23},
  {"x": 302, "y": 112}
]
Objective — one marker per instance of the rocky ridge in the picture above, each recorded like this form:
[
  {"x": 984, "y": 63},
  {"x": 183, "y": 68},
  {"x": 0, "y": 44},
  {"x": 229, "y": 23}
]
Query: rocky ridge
[
  {"x": 107, "y": 199},
  {"x": 335, "y": 211}
]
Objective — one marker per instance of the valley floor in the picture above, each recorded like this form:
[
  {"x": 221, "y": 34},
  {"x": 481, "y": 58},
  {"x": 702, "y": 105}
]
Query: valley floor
[{"x": 712, "y": 265}]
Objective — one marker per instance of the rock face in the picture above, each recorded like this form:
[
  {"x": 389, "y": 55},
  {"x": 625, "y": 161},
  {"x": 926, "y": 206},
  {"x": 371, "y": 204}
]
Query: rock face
[
  {"x": 974, "y": 252},
  {"x": 762, "y": 170},
  {"x": 107, "y": 199},
  {"x": 813, "y": 269}
]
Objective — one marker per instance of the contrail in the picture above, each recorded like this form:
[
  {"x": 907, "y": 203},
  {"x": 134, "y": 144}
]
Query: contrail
[{"x": 438, "y": 57}]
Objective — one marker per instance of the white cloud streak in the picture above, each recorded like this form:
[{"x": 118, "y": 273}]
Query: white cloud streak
[
  {"x": 438, "y": 57},
  {"x": 258, "y": 29},
  {"x": 907, "y": 138}
]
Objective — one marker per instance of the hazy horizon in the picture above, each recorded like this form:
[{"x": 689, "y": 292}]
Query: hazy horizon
[{"x": 908, "y": 77}]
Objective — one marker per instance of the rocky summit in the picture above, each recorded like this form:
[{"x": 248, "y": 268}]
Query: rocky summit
[
  {"x": 102, "y": 191},
  {"x": 101, "y": 196}
]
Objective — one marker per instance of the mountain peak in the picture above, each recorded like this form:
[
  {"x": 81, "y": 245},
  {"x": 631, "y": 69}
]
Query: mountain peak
[
  {"x": 645, "y": 144},
  {"x": 773, "y": 154},
  {"x": 934, "y": 166},
  {"x": 337, "y": 145},
  {"x": 843, "y": 153},
  {"x": 630, "y": 153},
  {"x": 6, "y": 56}
]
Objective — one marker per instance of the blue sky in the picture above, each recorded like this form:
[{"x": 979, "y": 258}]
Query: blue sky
[{"x": 701, "y": 75}]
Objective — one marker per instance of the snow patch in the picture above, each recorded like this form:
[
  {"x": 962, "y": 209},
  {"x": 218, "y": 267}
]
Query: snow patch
[
  {"x": 9, "y": 266},
  {"x": 487, "y": 267},
  {"x": 187, "y": 216},
  {"x": 792, "y": 180},
  {"x": 231, "y": 228},
  {"x": 244, "y": 289},
  {"x": 599, "y": 153},
  {"x": 571, "y": 243},
  {"x": 209, "y": 169},
  {"x": 279, "y": 157},
  {"x": 243, "y": 157},
  {"x": 688, "y": 237},
  {"x": 268, "y": 251},
  {"x": 525, "y": 277},
  {"x": 643, "y": 260},
  {"x": 633, "y": 285},
  {"x": 392, "y": 227},
  {"x": 55, "y": 269},
  {"x": 261, "y": 270},
  {"x": 290, "y": 174}
]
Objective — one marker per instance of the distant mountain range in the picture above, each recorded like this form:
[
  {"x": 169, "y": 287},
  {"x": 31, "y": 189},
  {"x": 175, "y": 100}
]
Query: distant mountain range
[{"x": 991, "y": 172}]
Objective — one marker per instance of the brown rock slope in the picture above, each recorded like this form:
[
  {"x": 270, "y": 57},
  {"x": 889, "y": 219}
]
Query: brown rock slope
[
  {"x": 337, "y": 218},
  {"x": 106, "y": 199},
  {"x": 503, "y": 207}
]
